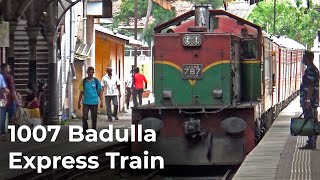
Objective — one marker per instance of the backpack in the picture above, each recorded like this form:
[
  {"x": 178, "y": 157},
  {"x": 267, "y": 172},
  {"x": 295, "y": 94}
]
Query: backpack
[{"x": 95, "y": 80}]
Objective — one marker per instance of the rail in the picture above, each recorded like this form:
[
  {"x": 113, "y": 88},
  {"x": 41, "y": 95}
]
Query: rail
[{"x": 63, "y": 174}]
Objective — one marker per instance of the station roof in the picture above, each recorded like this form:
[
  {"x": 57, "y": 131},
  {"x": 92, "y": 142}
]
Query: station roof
[
  {"x": 287, "y": 42},
  {"x": 129, "y": 40}
]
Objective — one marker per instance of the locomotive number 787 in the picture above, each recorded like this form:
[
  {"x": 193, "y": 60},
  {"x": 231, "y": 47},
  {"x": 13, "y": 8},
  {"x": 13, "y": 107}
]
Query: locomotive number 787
[{"x": 192, "y": 71}]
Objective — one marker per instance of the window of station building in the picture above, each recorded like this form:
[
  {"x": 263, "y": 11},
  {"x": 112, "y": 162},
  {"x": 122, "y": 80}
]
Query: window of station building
[{"x": 249, "y": 49}]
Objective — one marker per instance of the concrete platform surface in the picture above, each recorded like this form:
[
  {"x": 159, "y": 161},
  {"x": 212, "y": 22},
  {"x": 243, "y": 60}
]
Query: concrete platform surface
[{"x": 277, "y": 156}]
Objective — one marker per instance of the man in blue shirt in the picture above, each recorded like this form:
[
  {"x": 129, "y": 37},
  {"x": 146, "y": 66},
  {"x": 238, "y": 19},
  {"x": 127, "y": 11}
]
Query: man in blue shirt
[
  {"x": 3, "y": 102},
  {"x": 90, "y": 90},
  {"x": 309, "y": 94}
]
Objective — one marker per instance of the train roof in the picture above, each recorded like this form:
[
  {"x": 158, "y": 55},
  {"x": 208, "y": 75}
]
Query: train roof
[
  {"x": 287, "y": 42},
  {"x": 225, "y": 27}
]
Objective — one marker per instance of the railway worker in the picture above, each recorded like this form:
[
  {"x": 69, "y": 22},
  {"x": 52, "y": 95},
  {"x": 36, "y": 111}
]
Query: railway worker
[
  {"x": 309, "y": 94},
  {"x": 244, "y": 32},
  {"x": 248, "y": 49},
  {"x": 138, "y": 81},
  {"x": 90, "y": 92},
  {"x": 111, "y": 88}
]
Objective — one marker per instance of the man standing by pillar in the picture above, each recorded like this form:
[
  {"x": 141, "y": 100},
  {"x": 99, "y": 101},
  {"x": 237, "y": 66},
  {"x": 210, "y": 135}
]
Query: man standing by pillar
[
  {"x": 111, "y": 87},
  {"x": 309, "y": 94}
]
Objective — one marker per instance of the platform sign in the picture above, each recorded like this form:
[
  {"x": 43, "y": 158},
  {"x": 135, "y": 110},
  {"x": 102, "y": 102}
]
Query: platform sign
[
  {"x": 192, "y": 71},
  {"x": 4, "y": 34}
]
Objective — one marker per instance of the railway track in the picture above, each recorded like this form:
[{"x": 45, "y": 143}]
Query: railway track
[
  {"x": 159, "y": 175},
  {"x": 201, "y": 173},
  {"x": 63, "y": 174},
  {"x": 105, "y": 172},
  {"x": 155, "y": 176}
]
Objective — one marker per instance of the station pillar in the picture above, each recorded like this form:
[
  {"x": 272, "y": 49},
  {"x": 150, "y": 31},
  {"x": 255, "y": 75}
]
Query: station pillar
[
  {"x": 53, "y": 100},
  {"x": 33, "y": 33}
]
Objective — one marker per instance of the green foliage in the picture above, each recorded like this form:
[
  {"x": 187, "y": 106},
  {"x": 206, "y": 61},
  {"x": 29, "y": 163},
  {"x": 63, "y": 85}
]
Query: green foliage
[
  {"x": 126, "y": 13},
  {"x": 126, "y": 16},
  {"x": 292, "y": 20},
  {"x": 160, "y": 16}
]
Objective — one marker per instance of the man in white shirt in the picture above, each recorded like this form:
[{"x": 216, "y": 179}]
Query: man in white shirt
[{"x": 111, "y": 87}]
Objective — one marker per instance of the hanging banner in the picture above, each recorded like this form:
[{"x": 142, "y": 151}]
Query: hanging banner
[{"x": 4, "y": 34}]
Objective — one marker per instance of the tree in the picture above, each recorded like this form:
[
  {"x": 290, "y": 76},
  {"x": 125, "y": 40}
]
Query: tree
[
  {"x": 292, "y": 20},
  {"x": 147, "y": 20},
  {"x": 126, "y": 15}
]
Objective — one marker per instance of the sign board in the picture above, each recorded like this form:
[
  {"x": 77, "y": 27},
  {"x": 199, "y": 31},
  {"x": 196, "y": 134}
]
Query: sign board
[
  {"x": 4, "y": 34},
  {"x": 100, "y": 9},
  {"x": 192, "y": 71}
]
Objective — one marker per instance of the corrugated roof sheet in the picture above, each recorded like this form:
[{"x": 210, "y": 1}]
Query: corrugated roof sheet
[{"x": 129, "y": 41}]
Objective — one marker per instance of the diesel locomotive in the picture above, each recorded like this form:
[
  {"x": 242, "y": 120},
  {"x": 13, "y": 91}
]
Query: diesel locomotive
[{"x": 219, "y": 82}]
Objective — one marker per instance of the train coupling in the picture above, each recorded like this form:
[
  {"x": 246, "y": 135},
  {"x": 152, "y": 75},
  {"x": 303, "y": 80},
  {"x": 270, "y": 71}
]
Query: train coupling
[{"x": 192, "y": 128}]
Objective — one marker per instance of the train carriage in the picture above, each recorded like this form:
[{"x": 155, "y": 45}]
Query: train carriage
[{"x": 214, "y": 85}]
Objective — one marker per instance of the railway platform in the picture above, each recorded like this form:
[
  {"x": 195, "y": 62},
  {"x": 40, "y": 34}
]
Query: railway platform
[
  {"x": 61, "y": 147},
  {"x": 277, "y": 156}
]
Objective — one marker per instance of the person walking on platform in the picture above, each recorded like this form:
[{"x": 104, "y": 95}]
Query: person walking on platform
[
  {"x": 111, "y": 88},
  {"x": 128, "y": 85},
  {"x": 138, "y": 86},
  {"x": 12, "y": 100},
  {"x": 309, "y": 94},
  {"x": 90, "y": 90},
  {"x": 3, "y": 101}
]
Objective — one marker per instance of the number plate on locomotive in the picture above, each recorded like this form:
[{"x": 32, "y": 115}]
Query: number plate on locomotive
[{"x": 192, "y": 71}]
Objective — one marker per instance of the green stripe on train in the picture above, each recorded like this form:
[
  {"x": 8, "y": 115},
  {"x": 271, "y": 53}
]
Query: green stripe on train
[{"x": 183, "y": 93}]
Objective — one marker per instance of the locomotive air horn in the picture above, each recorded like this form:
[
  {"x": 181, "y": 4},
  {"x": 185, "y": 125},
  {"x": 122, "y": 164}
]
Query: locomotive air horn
[{"x": 202, "y": 15}]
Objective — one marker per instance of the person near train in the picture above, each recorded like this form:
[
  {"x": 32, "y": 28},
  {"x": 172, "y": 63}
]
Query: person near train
[
  {"x": 111, "y": 87},
  {"x": 138, "y": 81},
  {"x": 128, "y": 85},
  {"x": 90, "y": 93},
  {"x": 31, "y": 102},
  {"x": 11, "y": 103},
  {"x": 4, "y": 91},
  {"x": 309, "y": 94}
]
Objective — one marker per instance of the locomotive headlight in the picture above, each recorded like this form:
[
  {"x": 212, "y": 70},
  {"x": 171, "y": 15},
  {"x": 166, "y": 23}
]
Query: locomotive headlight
[
  {"x": 166, "y": 94},
  {"x": 196, "y": 40},
  {"x": 217, "y": 93},
  {"x": 186, "y": 40},
  {"x": 191, "y": 40}
]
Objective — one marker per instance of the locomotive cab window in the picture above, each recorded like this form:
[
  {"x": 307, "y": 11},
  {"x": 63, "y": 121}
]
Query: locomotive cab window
[{"x": 249, "y": 49}]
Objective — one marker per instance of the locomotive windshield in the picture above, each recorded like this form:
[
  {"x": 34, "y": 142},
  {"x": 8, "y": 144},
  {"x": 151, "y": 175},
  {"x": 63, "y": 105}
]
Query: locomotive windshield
[{"x": 249, "y": 49}]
